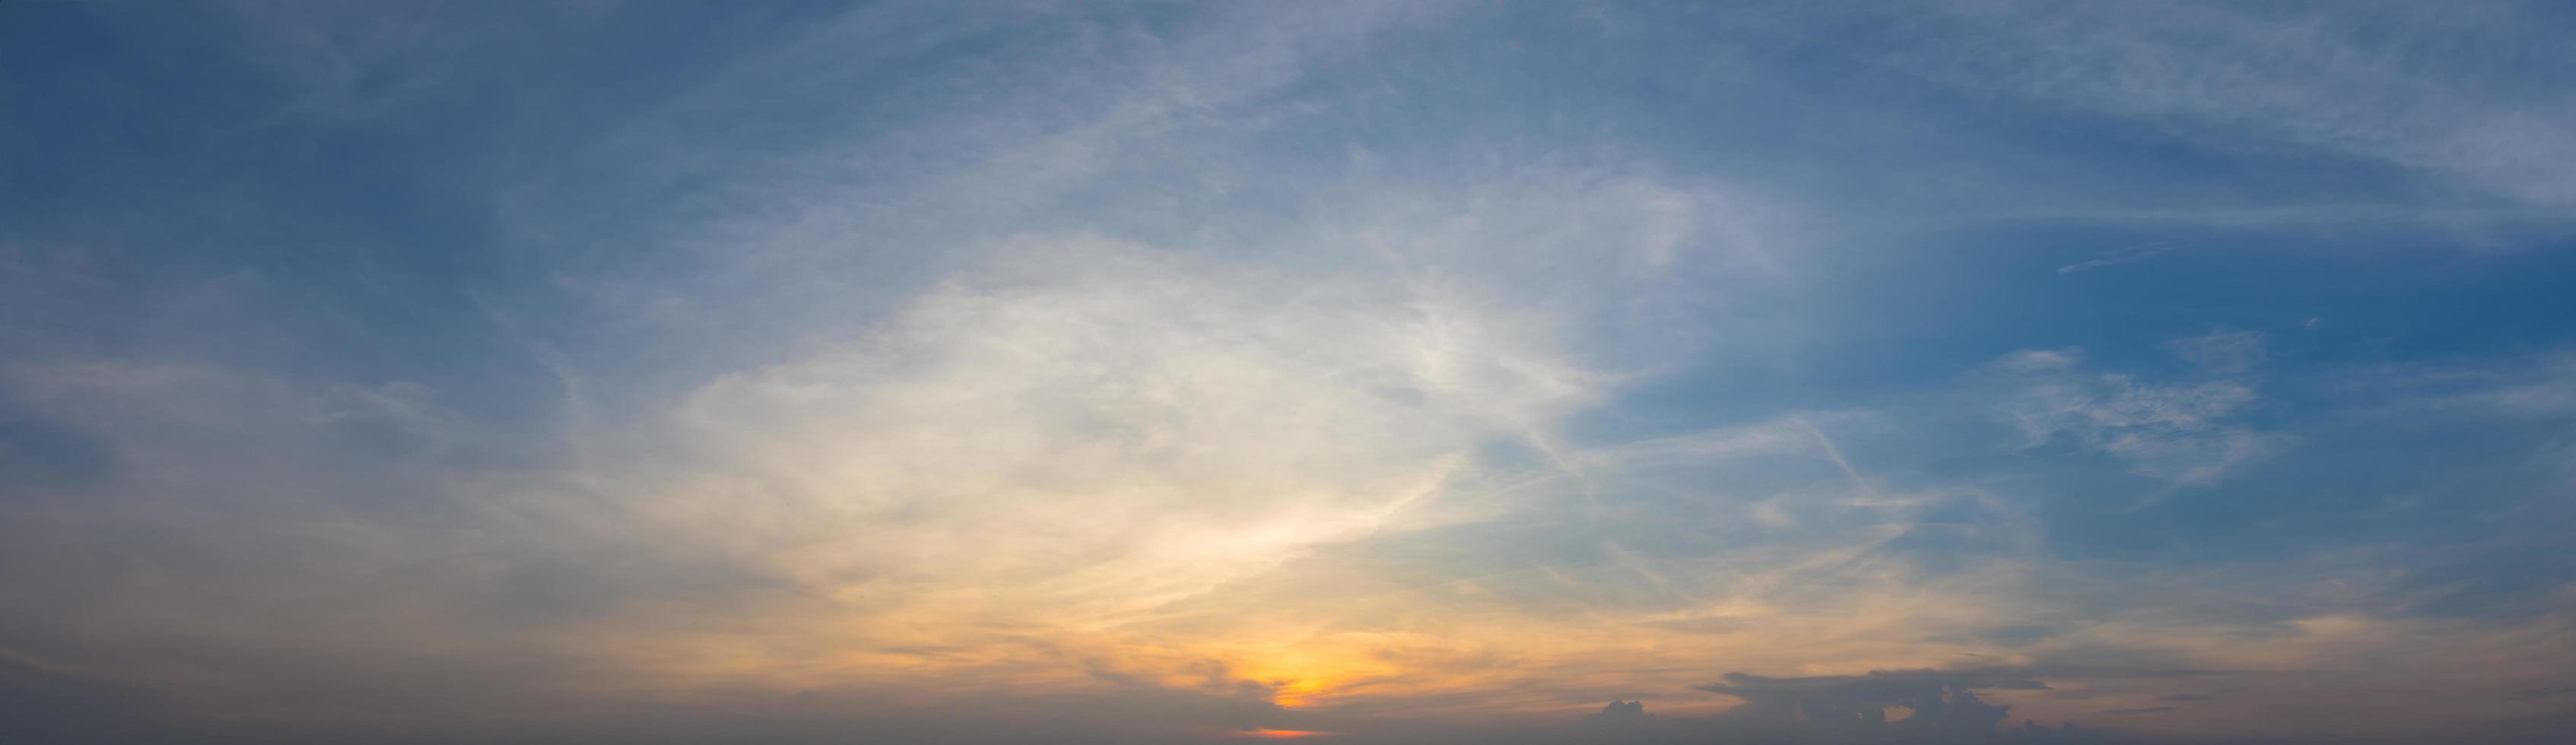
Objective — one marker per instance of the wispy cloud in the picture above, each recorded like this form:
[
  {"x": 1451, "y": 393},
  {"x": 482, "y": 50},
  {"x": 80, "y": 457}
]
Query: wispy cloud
[
  {"x": 2182, "y": 431},
  {"x": 1417, "y": 373},
  {"x": 2130, "y": 256},
  {"x": 2411, "y": 86}
]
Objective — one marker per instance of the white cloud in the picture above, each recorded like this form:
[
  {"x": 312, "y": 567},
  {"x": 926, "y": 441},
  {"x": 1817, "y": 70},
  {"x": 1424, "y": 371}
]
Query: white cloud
[
  {"x": 2187, "y": 432},
  {"x": 2221, "y": 351},
  {"x": 1095, "y": 426},
  {"x": 2419, "y": 86}
]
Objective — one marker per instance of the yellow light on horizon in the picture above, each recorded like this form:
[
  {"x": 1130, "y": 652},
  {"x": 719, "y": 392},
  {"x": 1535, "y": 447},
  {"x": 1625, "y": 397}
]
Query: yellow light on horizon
[{"x": 1283, "y": 734}]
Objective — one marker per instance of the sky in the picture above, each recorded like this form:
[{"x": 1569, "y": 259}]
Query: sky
[{"x": 1388, "y": 372}]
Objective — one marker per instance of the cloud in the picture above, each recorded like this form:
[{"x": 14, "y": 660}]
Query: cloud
[
  {"x": 1099, "y": 375},
  {"x": 1941, "y": 700},
  {"x": 2180, "y": 431},
  {"x": 2344, "y": 82},
  {"x": 2130, "y": 256},
  {"x": 1943, "y": 706},
  {"x": 1621, "y": 722},
  {"x": 2146, "y": 710},
  {"x": 2221, "y": 351},
  {"x": 1087, "y": 432},
  {"x": 1620, "y": 719},
  {"x": 1619, "y": 714},
  {"x": 2525, "y": 387}
]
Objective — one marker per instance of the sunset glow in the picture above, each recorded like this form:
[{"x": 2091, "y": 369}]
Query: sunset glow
[
  {"x": 1417, "y": 372},
  {"x": 1282, "y": 734}
]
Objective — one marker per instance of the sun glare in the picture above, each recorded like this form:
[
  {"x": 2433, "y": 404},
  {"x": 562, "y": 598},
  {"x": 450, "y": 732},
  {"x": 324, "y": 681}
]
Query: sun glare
[{"x": 1282, "y": 734}]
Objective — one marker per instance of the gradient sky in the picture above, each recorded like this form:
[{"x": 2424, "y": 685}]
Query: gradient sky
[{"x": 1161, "y": 373}]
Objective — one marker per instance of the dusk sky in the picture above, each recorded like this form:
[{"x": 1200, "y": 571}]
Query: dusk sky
[{"x": 1379, "y": 373}]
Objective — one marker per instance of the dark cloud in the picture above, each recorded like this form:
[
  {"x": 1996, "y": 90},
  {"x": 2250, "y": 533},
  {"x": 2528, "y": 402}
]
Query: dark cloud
[
  {"x": 1623, "y": 722},
  {"x": 1619, "y": 713},
  {"x": 2187, "y": 697},
  {"x": 1942, "y": 707},
  {"x": 2147, "y": 710}
]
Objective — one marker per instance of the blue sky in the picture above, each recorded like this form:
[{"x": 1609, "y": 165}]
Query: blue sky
[{"x": 1379, "y": 372}]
